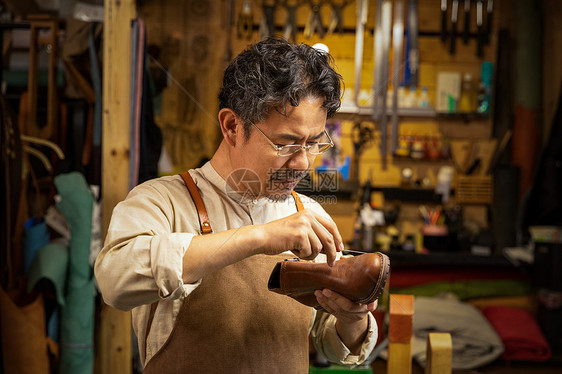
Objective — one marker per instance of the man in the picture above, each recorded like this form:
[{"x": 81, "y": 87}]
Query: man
[{"x": 194, "y": 269}]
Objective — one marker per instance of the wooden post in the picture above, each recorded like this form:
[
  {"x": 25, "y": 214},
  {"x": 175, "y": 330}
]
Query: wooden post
[
  {"x": 439, "y": 353},
  {"x": 114, "y": 339},
  {"x": 400, "y": 329},
  {"x": 51, "y": 24}
]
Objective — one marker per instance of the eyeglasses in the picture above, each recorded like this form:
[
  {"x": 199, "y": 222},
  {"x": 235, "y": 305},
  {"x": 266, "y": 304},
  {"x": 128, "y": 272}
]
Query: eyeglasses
[{"x": 290, "y": 149}]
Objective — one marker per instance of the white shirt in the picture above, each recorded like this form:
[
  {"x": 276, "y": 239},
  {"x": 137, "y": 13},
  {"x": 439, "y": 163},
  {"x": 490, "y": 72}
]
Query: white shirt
[{"x": 149, "y": 233}]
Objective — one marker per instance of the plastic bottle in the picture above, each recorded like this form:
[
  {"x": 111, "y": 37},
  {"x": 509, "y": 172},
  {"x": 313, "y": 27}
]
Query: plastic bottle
[
  {"x": 403, "y": 149},
  {"x": 410, "y": 98},
  {"x": 365, "y": 97},
  {"x": 417, "y": 152},
  {"x": 485, "y": 87},
  {"x": 466, "y": 100},
  {"x": 423, "y": 99},
  {"x": 433, "y": 150},
  {"x": 444, "y": 179},
  {"x": 481, "y": 98}
]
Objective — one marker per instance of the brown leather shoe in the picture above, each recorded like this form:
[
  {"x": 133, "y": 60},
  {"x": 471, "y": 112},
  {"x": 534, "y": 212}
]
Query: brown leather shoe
[{"x": 360, "y": 278}]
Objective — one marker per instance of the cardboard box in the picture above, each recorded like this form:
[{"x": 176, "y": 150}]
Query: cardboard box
[{"x": 448, "y": 91}]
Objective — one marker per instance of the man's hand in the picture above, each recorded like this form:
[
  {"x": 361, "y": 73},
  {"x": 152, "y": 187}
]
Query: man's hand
[
  {"x": 304, "y": 233},
  {"x": 352, "y": 318}
]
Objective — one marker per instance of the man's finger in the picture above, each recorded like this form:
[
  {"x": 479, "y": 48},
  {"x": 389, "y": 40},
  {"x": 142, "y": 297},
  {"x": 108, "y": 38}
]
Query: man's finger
[
  {"x": 329, "y": 246},
  {"x": 331, "y": 227},
  {"x": 373, "y": 306},
  {"x": 315, "y": 246},
  {"x": 344, "y": 303}
]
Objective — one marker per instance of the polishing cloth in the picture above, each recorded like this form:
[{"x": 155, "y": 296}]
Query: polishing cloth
[{"x": 519, "y": 332}]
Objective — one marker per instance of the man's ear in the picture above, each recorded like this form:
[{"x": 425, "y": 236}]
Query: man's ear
[{"x": 230, "y": 124}]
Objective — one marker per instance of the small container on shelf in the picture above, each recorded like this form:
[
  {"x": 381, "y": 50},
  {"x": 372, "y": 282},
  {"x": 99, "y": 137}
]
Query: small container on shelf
[
  {"x": 410, "y": 98},
  {"x": 485, "y": 88},
  {"x": 436, "y": 238},
  {"x": 423, "y": 98},
  {"x": 467, "y": 103},
  {"x": 417, "y": 152},
  {"x": 434, "y": 149},
  {"x": 403, "y": 149}
]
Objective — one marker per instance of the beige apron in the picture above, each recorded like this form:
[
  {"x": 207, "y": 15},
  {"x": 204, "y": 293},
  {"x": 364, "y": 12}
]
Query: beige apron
[{"x": 232, "y": 323}]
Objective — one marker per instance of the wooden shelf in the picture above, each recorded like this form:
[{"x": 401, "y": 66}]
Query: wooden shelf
[
  {"x": 417, "y": 195},
  {"x": 402, "y": 112},
  {"x": 467, "y": 117},
  {"x": 413, "y": 113}
]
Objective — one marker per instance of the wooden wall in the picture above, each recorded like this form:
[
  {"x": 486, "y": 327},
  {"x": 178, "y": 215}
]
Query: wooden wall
[
  {"x": 434, "y": 57},
  {"x": 199, "y": 37},
  {"x": 195, "y": 47},
  {"x": 192, "y": 37}
]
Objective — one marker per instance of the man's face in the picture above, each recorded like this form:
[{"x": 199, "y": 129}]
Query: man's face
[{"x": 278, "y": 175}]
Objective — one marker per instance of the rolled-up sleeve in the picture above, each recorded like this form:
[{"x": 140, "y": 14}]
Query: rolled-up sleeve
[
  {"x": 142, "y": 259},
  {"x": 327, "y": 341}
]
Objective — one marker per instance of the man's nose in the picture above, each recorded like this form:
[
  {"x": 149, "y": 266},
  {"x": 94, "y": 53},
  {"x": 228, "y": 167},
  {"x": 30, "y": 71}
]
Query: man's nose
[{"x": 300, "y": 160}]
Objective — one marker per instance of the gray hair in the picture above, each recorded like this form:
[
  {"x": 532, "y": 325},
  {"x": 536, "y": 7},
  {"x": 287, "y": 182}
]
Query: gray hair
[{"x": 274, "y": 72}]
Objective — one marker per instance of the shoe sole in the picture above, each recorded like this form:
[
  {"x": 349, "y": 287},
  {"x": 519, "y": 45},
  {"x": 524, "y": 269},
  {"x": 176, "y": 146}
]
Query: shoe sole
[{"x": 381, "y": 281}]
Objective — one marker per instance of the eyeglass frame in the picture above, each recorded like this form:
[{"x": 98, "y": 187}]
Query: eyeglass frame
[{"x": 306, "y": 147}]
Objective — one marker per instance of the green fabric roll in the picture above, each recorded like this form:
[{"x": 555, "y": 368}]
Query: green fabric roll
[
  {"x": 77, "y": 344},
  {"x": 470, "y": 289},
  {"x": 51, "y": 262},
  {"x": 77, "y": 316}
]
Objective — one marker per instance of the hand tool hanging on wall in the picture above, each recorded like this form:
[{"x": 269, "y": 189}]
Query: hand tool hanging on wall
[
  {"x": 454, "y": 18},
  {"x": 245, "y": 21},
  {"x": 443, "y": 20},
  {"x": 494, "y": 162},
  {"x": 50, "y": 42},
  {"x": 314, "y": 24},
  {"x": 397, "y": 45},
  {"x": 361, "y": 19},
  {"x": 466, "y": 32},
  {"x": 378, "y": 52},
  {"x": 290, "y": 28},
  {"x": 361, "y": 136},
  {"x": 386, "y": 19},
  {"x": 11, "y": 171},
  {"x": 412, "y": 54},
  {"x": 336, "y": 18},
  {"x": 267, "y": 25},
  {"x": 489, "y": 10},
  {"x": 479, "y": 29}
]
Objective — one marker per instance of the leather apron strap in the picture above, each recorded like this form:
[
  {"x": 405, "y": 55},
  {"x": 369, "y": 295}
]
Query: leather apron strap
[
  {"x": 199, "y": 205},
  {"x": 203, "y": 223},
  {"x": 298, "y": 201}
]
